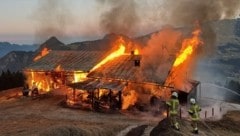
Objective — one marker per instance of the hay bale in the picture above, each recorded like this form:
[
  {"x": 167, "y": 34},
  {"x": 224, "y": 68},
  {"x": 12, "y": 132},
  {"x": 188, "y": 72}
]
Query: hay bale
[{"x": 164, "y": 129}]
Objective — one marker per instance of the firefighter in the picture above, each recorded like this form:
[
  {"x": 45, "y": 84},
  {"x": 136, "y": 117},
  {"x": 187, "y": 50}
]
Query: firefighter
[
  {"x": 173, "y": 105},
  {"x": 194, "y": 113}
]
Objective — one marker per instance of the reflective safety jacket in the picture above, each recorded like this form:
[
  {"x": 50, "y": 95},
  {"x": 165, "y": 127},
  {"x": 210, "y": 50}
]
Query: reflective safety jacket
[
  {"x": 173, "y": 106},
  {"x": 194, "y": 112}
]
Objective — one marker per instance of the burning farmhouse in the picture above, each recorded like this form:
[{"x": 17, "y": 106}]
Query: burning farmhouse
[{"x": 118, "y": 79}]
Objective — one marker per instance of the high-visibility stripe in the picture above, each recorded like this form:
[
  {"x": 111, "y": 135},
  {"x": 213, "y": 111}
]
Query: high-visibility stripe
[{"x": 174, "y": 105}]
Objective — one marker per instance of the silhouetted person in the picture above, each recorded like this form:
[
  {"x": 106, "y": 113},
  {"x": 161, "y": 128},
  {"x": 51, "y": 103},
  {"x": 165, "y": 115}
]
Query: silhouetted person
[
  {"x": 34, "y": 90},
  {"x": 25, "y": 90}
]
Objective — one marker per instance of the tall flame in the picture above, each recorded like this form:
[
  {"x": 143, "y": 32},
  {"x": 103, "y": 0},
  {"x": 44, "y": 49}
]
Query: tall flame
[
  {"x": 120, "y": 51},
  {"x": 179, "y": 73},
  {"x": 188, "y": 47}
]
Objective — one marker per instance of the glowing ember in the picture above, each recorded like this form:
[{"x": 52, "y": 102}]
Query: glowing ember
[
  {"x": 79, "y": 76},
  {"x": 120, "y": 51},
  {"x": 43, "y": 53},
  {"x": 165, "y": 113},
  {"x": 58, "y": 68}
]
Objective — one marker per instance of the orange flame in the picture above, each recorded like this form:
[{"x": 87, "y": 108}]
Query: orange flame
[
  {"x": 58, "y": 68},
  {"x": 188, "y": 47},
  {"x": 43, "y": 53},
  {"x": 129, "y": 99},
  {"x": 39, "y": 80},
  {"x": 120, "y": 51},
  {"x": 136, "y": 52},
  {"x": 178, "y": 75}
]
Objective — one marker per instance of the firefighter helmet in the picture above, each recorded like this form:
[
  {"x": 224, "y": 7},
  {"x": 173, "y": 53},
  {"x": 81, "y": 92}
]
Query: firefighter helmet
[
  {"x": 192, "y": 101},
  {"x": 175, "y": 94}
]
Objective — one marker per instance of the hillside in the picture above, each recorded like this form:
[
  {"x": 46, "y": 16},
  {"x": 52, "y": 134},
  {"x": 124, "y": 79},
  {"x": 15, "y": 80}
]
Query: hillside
[
  {"x": 15, "y": 60},
  {"x": 222, "y": 65}
]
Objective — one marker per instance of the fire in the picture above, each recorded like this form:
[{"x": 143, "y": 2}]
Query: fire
[
  {"x": 129, "y": 99},
  {"x": 120, "y": 51},
  {"x": 183, "y": 56},
  {"x": 178, "y": 77},
  {"x": 188, "y": 47},
  {"x": 40, "y": 79},
  {"x": 58, "y": 68},
  {"x": 136, "y": 52},
  {"x": 43, "y": 53},
  {"x": 79, "y": 76}
]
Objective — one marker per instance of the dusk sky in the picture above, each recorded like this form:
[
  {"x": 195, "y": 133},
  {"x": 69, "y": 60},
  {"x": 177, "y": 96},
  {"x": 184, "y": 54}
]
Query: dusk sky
[
  {"x": 33, "y": 21},
  {"x": 19, "y": 25},
  {"x": 20, "y": 22}
]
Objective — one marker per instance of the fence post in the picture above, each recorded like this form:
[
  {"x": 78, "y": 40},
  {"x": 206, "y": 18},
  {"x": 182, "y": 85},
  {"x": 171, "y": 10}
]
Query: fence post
[
  {"x": 180, "y": 112},
  {"x": 212, "y": 111}
]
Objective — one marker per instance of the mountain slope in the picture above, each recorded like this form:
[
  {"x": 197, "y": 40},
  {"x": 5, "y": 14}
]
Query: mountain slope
[
  {"x": 6, "y": 47},
  {"x": 15, "y": 60}
]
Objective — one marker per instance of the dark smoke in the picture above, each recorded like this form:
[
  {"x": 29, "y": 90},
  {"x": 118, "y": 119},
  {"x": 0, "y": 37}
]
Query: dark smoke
[
  {"x": 186, "y": 12},
  {"x": 121, "y": 17},
  {"x": 53, "y": 17}
]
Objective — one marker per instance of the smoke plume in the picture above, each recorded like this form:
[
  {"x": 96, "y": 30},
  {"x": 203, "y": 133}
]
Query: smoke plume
[
  {"x": 53, "y": 17},
  {"x": 159, "y": 53},
  {"x": 186, "y": 12},
  {"x": 121, "y": 17}
]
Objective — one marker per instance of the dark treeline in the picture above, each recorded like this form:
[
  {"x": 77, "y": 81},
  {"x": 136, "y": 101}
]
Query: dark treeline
[{"x": 10, "y": 80}]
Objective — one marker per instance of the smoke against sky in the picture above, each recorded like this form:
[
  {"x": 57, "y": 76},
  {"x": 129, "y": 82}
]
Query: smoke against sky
[
  {"x": 53, "y": 17},
  {"x": 120, "y": 18},
  {"x": 95, "y": 18}
]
